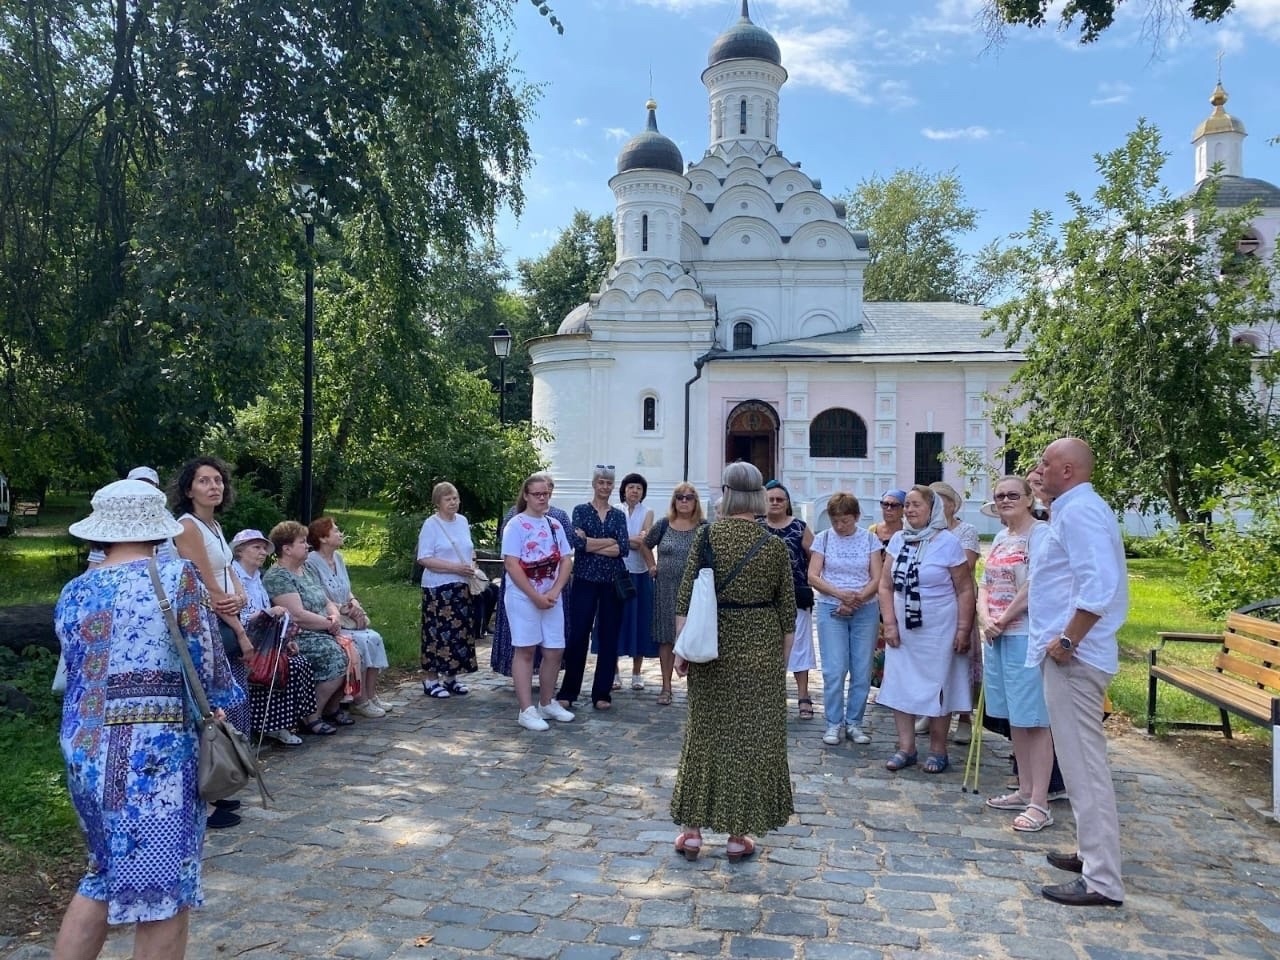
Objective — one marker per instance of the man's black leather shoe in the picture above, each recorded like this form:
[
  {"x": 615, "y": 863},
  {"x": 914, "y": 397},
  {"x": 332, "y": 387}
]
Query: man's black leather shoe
[
  {"x": 1065, "y": 861},
  {"x": 1077, "y": 894}
]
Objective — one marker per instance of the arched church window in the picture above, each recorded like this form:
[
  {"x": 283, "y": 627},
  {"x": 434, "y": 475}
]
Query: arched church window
[
  {"x": 644, "y": 232},
  {"x": 1249, "y": 341},
  {"x": 768, "y": 121},
  {"x": 742, "y": 336},
  {"x": 742, "y": 115},
  {"x": 719, "y": 120},
  {"x": 649, "y": 414},
  {"x": 838, "y": 433}
]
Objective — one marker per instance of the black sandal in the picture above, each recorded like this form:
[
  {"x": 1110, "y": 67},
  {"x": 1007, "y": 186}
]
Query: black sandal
[
  {"x": 318, "y": 728},
  {"x": 806, "y": 708},
  {"x": 435, "y": 689},
  {"x": 339, "y": 718},
  {"x": 456, "y": 687}
]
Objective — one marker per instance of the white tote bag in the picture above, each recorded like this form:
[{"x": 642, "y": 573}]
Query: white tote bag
[{"x": 699, "y": 641}]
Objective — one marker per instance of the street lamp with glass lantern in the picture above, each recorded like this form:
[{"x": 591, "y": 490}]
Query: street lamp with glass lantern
[{"x": 501, "y": 341}]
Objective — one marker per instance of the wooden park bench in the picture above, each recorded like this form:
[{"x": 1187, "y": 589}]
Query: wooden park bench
[
  {"x": 26, "y": 513},
  {"x": 1244, "y": 679}
]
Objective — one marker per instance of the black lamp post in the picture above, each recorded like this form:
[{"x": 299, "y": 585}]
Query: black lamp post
[
  {"x": 501, "y": 341},
  {"x": 307, "y": 195}
]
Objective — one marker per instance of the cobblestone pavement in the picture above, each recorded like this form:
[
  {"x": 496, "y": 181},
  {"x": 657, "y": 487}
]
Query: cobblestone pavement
[{"x": 444, "y": 830}]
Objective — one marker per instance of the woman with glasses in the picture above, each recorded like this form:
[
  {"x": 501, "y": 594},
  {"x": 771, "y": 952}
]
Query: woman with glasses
[
  {"x": 600, "y": 541},
  {"x": 670, "y": 539},
  {"x": 797, "y": 538},
  {"x": 844, "y": 571},
  {"x": 1014, "y": 690},
  {"x": 535, "y": 555},
  {"x": 890, "y": 516}
]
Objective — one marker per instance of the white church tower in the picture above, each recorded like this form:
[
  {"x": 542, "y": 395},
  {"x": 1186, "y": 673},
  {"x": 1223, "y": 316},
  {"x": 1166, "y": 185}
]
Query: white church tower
[{"x": 743, "y": 76}]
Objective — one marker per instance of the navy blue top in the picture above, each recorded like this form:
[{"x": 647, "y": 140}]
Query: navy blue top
[{"x": 596, "y": 567}]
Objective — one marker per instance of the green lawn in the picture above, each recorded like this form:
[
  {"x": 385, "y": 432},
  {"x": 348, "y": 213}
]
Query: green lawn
[{"x": 1155, "y": 604}]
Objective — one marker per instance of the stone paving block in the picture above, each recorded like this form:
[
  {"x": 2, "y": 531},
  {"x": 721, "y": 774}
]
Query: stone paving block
[
  {"x": 662, "y": 913},
  {"x": 761, "y": 947},
  {"x": 452, "y": 913},
  {"x": 531, "y": 948},
  {"x": 404, "y": 908},
  {"x": 622, "y": 936},
  {"x": 894, "y": 900},
  {"x": 877, "y": 933},
  {"x": 570, "y": 931},
  {"x": 794, "y": 925},
  {"x": 598, "y": 910},
  {"x": 840, "y": 951},
  {"x": 735, "y": 919},
  {"x": 465, "y": 938},
  {"x": 365, "y": 947},
  {"x": 1036, "y": 948},
  {"x": 511, "y": 923},
  {"x": 590, "y": 951},
  {"x": 696, "y": 942}
]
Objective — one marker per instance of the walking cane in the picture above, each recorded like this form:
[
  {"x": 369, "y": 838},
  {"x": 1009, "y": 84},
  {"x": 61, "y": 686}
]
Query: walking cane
[{"x": 974, "y": 759}]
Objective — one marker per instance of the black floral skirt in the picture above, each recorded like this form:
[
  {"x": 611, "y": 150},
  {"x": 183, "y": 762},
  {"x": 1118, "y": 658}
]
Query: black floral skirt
[{"x": 447, "y": 647}]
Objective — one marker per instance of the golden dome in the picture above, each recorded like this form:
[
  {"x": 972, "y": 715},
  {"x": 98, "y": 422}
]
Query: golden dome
[{"x": 1219, "y": 121}]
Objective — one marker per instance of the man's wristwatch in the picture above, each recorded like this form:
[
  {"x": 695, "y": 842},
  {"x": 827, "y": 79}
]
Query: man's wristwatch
[{"x": 1066, "y": 643}]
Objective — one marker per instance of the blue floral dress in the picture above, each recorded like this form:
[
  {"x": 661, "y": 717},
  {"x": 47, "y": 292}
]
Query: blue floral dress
[{"x": 129, "y": 735}]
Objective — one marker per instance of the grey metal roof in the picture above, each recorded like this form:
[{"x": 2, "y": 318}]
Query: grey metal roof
[
  {"x": 650, "y": 150},
  {"x": 925, "y": 332},
  {"x": 744, "y": 40},
  {"x": 1238, "y": 191}
]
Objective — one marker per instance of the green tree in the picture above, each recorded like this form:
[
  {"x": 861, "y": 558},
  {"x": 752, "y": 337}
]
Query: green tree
[
  {"x": 1096, "y": 16},
  {"x": 569, "y": 272},
  {"x": 149, "y": 240},
  {"x": 916, "y": 220},
  {"x": 1125, "y": 316}
]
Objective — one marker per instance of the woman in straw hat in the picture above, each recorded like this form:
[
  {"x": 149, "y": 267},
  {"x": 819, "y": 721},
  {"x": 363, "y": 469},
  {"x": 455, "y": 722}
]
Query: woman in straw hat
[{"x": 128, "y": 734}]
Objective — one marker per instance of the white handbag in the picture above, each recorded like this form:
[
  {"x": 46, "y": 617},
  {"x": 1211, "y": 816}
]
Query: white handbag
[{"x": 699, "y": 641}]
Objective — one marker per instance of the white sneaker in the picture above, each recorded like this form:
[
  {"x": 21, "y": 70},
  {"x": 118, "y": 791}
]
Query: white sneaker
[
  {"x": 553, "y": 711},
  {"x": 832, "y": 736},
  {"x": 369, "y": 710},
  {"x": 287, "y": 737},
  {"x": 922, "y": 725},
  {"x": 856, "y": 735},
  {"x": 380, "y": 704},
  {"x": 963, "y": 734},
  {"x": 529, "y": 719}
]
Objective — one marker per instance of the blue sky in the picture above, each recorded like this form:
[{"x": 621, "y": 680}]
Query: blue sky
[{"x": 878, "y": 85}]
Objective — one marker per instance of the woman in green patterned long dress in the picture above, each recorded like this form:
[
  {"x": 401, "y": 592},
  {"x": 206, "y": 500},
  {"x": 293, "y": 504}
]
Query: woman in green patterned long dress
[{"x": 733, "y": 775}]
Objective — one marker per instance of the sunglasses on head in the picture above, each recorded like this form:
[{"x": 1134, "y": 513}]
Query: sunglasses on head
[{"x": 604, "y": 466}]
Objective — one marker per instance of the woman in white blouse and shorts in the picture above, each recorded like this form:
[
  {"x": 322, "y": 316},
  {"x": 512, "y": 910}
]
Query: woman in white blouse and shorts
[{"x": 538, "y": 560}]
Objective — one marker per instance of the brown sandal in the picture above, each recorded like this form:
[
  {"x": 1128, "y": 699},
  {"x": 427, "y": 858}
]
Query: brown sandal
[
  {"x": 664, "y": 698},
  {"x": 806, "y": 708}
]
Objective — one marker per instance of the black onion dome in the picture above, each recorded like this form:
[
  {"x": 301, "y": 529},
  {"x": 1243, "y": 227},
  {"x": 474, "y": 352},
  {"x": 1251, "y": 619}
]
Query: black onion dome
[
  {"x": 650, "y": 150},
  {"x": 744, "y": 41},
  {"x": 1239, "y": 191}
]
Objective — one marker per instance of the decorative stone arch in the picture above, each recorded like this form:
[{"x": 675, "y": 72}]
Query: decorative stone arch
[{"x": 751, "y": 434}]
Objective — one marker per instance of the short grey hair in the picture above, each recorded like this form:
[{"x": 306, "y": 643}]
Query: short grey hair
[
  {"x": 602, "y": 472},
  {"x": 743, "y": 488}
]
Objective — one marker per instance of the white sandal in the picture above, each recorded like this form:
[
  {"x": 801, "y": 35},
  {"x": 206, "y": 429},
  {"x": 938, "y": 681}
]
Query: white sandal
[
  {"x": 1010, "y": 801},
  {"x": 1027, "y": 822}
]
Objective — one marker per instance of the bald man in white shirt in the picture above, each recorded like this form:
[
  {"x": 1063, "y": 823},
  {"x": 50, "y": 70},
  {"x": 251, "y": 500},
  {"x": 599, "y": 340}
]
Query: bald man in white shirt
[{"x": 1079, "y": 598}]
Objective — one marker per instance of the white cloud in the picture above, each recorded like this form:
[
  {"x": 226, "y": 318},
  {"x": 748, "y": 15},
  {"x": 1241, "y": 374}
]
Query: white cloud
[
  {"x": 581, "y": 122},
  {"x": 956, "y": 133},
  {"x": 952, "y": 16},
  {"x": 895, "y": 94},
  {"x": 616, "y": 133},
  {"x": 1229, "y": 41},
  {"x": 822, "y": 58},
  {"x": 1263, "y": 14},
  {"x": 1110, "y": 94}
]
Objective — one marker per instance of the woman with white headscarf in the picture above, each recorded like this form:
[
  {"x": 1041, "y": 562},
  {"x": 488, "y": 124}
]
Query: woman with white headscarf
[{"x": 927, "y": 606}]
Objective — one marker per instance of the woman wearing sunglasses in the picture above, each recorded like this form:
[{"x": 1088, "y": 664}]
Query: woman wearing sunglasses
[{"x": 670, "y": 539}]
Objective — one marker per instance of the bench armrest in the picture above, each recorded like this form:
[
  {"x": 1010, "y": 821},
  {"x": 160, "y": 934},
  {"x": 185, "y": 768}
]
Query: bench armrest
[{"x": 1166, "y": 636}]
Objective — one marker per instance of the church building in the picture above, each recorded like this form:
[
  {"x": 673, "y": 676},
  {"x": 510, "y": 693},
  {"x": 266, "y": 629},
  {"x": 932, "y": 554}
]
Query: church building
[{"x": 733, "y": 326}]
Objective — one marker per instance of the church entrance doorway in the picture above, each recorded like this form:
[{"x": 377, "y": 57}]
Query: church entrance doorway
[{"x": 751, "y": 434}]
